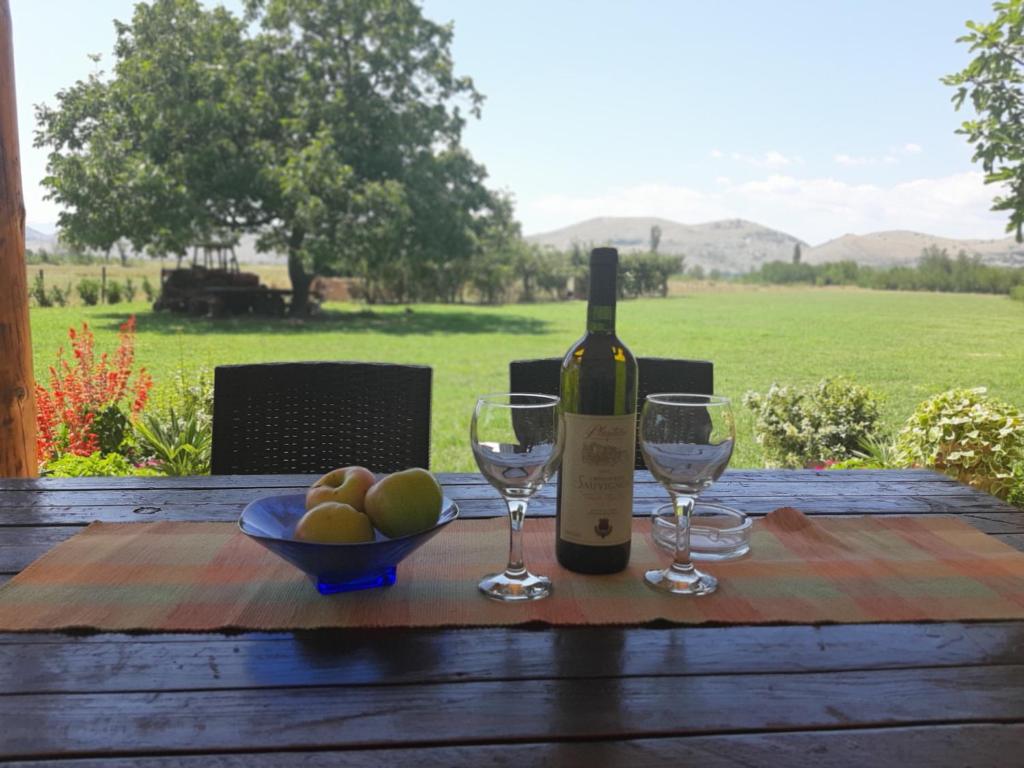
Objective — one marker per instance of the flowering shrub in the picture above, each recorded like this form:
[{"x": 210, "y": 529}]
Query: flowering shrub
[
  {"x": 813, "y": 426},
  {"x": 966, "y": 434},
  {"x": 76, "y": 414}
]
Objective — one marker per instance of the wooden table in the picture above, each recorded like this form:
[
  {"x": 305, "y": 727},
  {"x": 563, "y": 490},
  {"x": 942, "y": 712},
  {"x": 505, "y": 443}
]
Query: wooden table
[{"x": 882, "y": 694}]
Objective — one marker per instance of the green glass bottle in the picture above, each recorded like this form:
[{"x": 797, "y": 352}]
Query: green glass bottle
[{"x": 598, "y": 391}]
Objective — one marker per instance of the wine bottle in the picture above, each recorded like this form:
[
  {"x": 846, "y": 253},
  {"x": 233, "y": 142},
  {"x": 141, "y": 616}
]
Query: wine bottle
[{"x": 598, "y": 389}]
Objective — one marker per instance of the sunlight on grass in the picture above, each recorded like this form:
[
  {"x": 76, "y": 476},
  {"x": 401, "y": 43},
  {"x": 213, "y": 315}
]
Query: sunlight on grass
[{"x": 906, "y": 346}]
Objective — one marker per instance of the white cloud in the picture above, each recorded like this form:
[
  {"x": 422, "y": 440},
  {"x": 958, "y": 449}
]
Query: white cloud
[
  {"x": 912, "y": 149},
  {"x": 770, "y": 159},
  {"x": 815, "y": 209},
  {"x": 850, "y": 160}
]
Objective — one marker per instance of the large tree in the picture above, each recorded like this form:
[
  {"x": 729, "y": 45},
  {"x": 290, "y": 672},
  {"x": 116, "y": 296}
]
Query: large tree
[
  {"x": 994, "y": 81},
  {"x": 330, "y": 128}
]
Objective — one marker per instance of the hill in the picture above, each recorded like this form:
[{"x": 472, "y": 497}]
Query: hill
[
  {"x": 899, "y": 247},
  {"x": 729, "y": 245},
  {"x": 736, "y": 246}
]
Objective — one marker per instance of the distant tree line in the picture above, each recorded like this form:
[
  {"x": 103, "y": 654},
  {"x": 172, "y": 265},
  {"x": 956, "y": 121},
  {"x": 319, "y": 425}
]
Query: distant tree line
[
  {"x": 936, "y": 270},
  {"x": 521, "y": 272}
]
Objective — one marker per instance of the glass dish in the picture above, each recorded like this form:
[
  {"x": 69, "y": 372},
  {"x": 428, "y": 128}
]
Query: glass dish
[
  {"x": 718, "y": 533},
  {"x": 333, "y": 567}
]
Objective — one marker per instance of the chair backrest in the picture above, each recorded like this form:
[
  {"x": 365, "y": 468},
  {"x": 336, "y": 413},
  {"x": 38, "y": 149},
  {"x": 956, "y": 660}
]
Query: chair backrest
[
  {"x": 316, "y": 416},
  {"x": 654, "y": 374}
]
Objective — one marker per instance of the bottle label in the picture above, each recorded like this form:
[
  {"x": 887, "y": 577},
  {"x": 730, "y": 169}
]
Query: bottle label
[{"x": 597, "y": 479}]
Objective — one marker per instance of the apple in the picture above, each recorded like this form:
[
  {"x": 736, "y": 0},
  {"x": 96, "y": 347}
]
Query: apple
[
  {"x": 347, "y": 485},
  {"x": 404, "y": 502},
  {"x": 334, "y": 523}
]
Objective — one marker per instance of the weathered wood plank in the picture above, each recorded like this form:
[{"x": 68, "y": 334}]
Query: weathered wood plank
[
  {"x": 479, "y": 490},
  {"x": 450, "y": 478},
  {"x": 517, "y": 710},
  {"x": 20, "y": 546},
  {"x": 943, "y": 746},
  {"x": 52, "y": 663}
]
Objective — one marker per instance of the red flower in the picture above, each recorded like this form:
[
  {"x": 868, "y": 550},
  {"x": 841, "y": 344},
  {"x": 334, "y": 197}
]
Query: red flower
[{"x": 81, "y": 389}]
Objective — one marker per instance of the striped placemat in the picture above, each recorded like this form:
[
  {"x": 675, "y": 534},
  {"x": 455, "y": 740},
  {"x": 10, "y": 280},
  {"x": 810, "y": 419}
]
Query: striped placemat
[{"x": 180, "y": 576}]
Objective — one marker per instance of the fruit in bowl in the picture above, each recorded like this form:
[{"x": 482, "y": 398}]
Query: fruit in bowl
[
  {"x": 346, "y": 485},
  {"x": 332, "y": 523},
  {"x": 404, "y": 503},
  {"x": 326, "y": 534}
]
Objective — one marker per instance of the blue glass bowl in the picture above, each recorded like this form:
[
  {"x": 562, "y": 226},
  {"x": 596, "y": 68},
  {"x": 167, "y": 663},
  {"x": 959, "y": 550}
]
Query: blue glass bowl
[{"x": 333, "y": 567}]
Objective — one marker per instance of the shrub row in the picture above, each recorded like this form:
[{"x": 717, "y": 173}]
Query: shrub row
[{"x": 836, "y": 423}]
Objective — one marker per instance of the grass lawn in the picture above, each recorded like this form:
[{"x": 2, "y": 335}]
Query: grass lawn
[{"x": 906, "y": 346}]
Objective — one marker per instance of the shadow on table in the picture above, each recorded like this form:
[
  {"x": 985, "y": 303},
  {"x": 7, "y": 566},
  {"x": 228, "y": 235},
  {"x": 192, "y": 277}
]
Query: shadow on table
[{"x": 408, "y": 323}]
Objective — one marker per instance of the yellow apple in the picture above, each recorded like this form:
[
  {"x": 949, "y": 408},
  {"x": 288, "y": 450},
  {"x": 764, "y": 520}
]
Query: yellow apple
[
  {"x": 334, "y": 523},
  {"x": 347, "y": 485},
  {"x": 404, "y": 502}
]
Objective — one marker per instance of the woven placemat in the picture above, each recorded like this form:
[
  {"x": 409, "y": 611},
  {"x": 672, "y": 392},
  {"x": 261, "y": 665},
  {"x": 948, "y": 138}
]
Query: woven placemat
[{"x": 179, "y": 576}]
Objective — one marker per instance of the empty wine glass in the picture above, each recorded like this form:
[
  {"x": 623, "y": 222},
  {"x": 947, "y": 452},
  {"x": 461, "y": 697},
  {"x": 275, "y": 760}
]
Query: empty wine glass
[
  {"x": 517, "y": 443},
  {"x": 686, "y": 441}
]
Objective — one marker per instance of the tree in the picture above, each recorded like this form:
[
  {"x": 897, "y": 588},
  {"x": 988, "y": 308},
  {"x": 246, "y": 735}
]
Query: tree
[
  {"x": 655, "y": 238},
  {"x": 329, "y": 128},
  {"x": 994, "y": 81},
  {"x": 155, "y": 153},
  {"x": 796, "y": 253}
]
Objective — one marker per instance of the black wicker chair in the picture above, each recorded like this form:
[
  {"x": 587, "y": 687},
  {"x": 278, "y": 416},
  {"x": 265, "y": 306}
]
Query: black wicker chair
[
  {"x": 654, "y": 374},
  {"x": 312, "y": 417}
]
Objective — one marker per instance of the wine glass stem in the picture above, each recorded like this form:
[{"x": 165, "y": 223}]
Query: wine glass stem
[
  {"x": 684, "y": 508},
  {"x": 516, "y": 515}
]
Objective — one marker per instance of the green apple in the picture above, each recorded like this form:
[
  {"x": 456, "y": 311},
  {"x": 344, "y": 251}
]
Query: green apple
[
  {"x": 347, "y": 485},
  {"x": 404, "y": 502},
  {"x": 334, "y": 523}
]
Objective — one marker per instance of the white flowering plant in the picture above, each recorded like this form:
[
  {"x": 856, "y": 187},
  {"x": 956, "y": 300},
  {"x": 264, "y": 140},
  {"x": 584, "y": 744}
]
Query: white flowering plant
[{"x": 814, "y": 426}]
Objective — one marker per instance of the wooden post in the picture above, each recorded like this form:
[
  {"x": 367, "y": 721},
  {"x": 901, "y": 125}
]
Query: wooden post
[{"x": 17, "y": 386}]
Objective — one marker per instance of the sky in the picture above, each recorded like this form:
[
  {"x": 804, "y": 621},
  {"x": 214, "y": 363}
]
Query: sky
[{"x": 816, "y": 117}]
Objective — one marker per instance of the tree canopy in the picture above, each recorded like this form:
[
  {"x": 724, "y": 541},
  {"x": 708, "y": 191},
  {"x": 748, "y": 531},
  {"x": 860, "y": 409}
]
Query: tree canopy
[
  {"x": 994, "y": 81},
  {"x": 329, "y": 128}
]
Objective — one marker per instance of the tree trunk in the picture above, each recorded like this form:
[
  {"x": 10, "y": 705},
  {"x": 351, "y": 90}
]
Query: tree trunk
[
  {"x": 300, "y": 279},
  {"x": 17, "y": 386}
]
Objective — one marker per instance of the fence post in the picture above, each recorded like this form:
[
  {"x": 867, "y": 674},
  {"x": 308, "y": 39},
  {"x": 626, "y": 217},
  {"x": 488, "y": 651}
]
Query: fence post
[
  {"x": 17, "y": 386},
  {"x": 103, "y": 285}
]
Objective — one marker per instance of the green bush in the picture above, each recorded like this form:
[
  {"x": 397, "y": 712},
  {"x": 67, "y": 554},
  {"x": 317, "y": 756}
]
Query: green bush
[
  {"x": 1017, "y": 293},
  {"x": 802, "y": 426},
  {"x": 113, "y": 430},
  {"x": 97, "y": 465},
  {"x": 38, "y": 291},
  {"x": 88, "y": 291},
  {"x": 148, "y": 289},
  {"x": 130, "y": 289},
  {"x": 178, "y": 433},
  {"x": 873, "y": 453},
  {"x": 58, "y": 296},
  {"x": 115, "y": 292},
  {"x": 966, "y": 434}
]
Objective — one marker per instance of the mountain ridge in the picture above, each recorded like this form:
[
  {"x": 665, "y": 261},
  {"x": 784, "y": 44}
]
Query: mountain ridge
[{"x": 739, "y": 245}]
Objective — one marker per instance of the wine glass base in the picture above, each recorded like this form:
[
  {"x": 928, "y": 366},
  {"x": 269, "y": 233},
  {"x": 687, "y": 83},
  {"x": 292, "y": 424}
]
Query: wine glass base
[
  {"x": 677, "y": 582},
  {"x": 518, "y": 588}
]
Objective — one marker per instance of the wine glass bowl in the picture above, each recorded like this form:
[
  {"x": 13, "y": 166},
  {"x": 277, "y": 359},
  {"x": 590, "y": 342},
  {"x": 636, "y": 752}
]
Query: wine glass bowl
[
  {"x": 517, "y": 444},
  {"x": 686, "y": 441}
]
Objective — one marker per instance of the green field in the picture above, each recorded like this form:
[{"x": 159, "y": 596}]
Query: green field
[{"x": 905, "y": 346}]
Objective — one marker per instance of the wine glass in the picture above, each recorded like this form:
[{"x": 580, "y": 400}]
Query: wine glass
[
  {"x": 517, "y": 443},
  {"x": 686, "y": 441}
]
